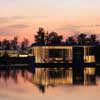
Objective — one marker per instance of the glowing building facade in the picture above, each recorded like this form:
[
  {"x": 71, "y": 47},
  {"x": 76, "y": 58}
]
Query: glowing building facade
[{"x": 62, "y": 54}]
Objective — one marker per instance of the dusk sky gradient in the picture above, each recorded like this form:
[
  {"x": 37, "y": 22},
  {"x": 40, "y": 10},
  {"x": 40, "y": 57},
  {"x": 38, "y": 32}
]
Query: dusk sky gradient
[{"x": 67, "y": 17}]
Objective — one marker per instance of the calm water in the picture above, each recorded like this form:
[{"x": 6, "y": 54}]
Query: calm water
[{"x": 49, "y": 83}]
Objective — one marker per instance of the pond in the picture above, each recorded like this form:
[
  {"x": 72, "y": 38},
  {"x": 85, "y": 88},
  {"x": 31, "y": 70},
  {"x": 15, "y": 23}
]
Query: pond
[{"x": 50, "y": 84}]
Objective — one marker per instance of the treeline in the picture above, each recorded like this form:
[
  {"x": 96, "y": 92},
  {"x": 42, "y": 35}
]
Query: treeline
[
  {"x": 14, "y": 45},
  {"x": 52, "y": 38},
  {"x": 46, "y": 38}
]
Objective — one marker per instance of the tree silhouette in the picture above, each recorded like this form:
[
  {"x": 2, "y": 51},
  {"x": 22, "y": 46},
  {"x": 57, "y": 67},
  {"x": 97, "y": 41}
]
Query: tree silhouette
[
  {"x": 45, "y": 38},
  {"x": 6, "y": 44},
  {"x": 70, "y": 41},
  {"x": 24, "y": 44},
  {"x": 0, "y": 45},
  {"x": 81, "y": 39},
  {"x": 14, "y": 43},
  {"x": 54, "y": 39},
  {"x": 40, "y": 37},
  {"x": 93, "y": 39}
]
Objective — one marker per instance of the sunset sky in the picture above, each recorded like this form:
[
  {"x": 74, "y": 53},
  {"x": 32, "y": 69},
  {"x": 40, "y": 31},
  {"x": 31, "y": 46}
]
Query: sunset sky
[{"x": 23, "y": 17}]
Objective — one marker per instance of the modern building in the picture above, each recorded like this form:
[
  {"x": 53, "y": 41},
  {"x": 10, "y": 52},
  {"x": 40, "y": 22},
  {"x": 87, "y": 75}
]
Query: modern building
[
  {"x": 13, "y": 53},
  {"x": 62, "y": 54},
  {"x": 10, "y": 53}
]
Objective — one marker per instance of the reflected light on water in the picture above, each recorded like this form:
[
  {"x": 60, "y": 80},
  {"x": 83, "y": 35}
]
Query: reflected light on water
[{"x": 47, "y": 84}]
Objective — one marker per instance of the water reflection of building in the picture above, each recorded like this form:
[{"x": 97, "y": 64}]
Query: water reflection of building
[
  {"x": 61, "y": 54},
  {"x": 45, "y": 77},
  {"x": 56, "y": 77},
  {"x": 53, "y": 76},
  {"x": 89, "y": 76}
]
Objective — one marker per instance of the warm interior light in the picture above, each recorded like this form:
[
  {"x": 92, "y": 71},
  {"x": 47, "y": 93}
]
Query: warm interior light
[{"x": 89, "y": 59}]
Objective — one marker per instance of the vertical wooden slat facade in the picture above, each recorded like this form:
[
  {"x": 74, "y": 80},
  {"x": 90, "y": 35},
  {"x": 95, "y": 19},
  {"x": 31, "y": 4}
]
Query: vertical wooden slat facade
[{"x": 42, "y": 54}]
